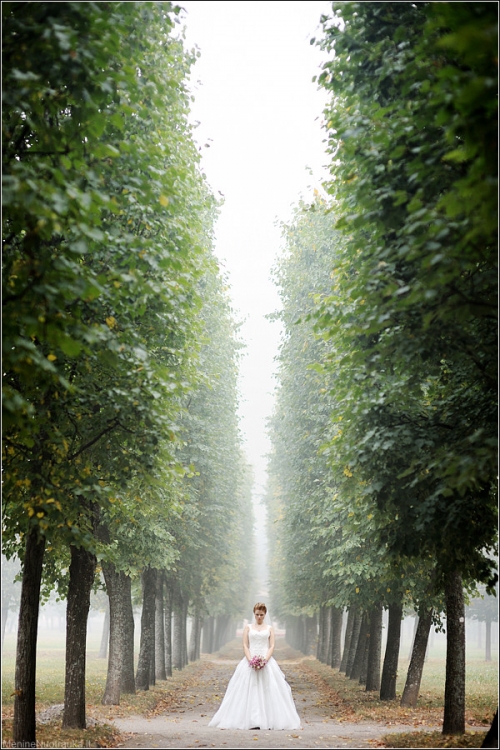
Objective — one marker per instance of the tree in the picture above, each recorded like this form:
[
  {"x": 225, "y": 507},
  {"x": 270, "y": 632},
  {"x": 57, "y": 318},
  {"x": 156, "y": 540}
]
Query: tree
[
  {"x": 484, "y": 608},
  {"x": 412, "y": 316},
  {"x": 103, "y": 205}
]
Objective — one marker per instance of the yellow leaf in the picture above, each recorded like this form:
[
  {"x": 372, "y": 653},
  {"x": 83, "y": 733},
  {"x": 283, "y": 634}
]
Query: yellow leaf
[
  {"x": 357, "y": 590},
  {"x": 51, "y": 357},
  {"x": 164, "y": 200},
  {"x": 40, "y": 514},
  {"x": 111, "y": 321}
]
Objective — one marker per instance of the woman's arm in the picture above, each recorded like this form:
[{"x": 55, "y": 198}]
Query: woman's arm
[
  {"x": 271, "y": 645},
  {"x": 246, "y": 643}
]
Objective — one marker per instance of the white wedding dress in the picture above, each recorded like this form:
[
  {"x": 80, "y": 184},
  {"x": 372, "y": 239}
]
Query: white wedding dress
[{"x": 257, "y": 697}]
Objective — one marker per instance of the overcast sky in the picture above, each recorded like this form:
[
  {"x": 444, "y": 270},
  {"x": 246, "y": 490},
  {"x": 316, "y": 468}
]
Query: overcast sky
[{"x": 260, "y": 115}]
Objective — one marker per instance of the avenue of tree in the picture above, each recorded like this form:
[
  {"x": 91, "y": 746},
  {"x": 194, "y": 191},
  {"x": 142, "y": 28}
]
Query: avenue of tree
[
  {"x": 121, "y": 449},
  {"x": 122, "y": 460},
  {"x": 383, "y": 471}
]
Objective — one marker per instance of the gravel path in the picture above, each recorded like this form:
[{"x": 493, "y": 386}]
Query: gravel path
[{"x": 181, "y": 719}]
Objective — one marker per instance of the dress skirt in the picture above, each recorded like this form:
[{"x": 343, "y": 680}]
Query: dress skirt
[{"x": 257, "y": 698}]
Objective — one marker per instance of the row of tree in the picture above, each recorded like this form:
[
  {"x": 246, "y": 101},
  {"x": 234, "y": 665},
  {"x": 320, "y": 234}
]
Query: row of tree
[
  {"x": 121, "y": 450},
  {"x": 383, "y": 489}
]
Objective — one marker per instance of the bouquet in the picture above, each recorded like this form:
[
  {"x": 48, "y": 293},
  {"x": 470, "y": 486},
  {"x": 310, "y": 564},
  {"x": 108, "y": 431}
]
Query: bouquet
[{"x": 257, "y": 662}]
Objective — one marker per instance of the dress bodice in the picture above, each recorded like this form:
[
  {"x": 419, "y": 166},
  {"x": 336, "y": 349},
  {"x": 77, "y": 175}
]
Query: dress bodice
[{"x": 258, "y": 641}]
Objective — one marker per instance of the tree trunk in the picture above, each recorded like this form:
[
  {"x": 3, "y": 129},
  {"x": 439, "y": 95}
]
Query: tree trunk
[
  {"x": 143, "y": 677},
  {"x": 127, "y": 674},
  {"x": 454, "y": 690},
  {"x": 363, "y": 639},
  {"x": 491, "y": 739},
  {"x": 414, "y": 676},
  {"x": 194, "y": 642},
  {"x": 374, "y": 650},
  {"x": 334, "y": 641},
  {"x": 198, "y": 636},
  {"x": 415, "y": 627},
  {"x": 364, "y": 663},
  {"x": 177, "y": 639},
  {"x": 391, "y": 658},
  {"x": 103, "y": 650},
  {"x": 24, "y": 727},
  {"x": 167, "y": 604},
  {"x": 160, "y": 673},
  {"x": 81, "y": 578},
  {"x": 358, "y": 617},
  {"x": 488, "y": 640},
  {"x": 114, "y": 583},
  {"x": 208, "y": 635},
  {"x": 311, "y": 635},
  {"x": 185, "y": 607},
  {"x": 220, "y": 627},
  {"x": 323, "y": 635},
  {"x": 347, "y": 639}
]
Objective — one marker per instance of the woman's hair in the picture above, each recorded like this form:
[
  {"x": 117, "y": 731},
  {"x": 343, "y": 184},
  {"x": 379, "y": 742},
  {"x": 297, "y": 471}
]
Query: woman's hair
[{"x": 260, "y": 605}]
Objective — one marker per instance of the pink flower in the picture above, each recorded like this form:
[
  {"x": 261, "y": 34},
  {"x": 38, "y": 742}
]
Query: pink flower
[{"x": 257, "y": 662}]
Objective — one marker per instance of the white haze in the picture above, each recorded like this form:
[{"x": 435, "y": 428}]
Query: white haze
[{"x": 262, "y": 144}]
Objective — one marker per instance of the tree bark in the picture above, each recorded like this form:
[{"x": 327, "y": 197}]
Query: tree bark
[
  {"x": 208, "y": 635},
  {"x": 364, "y": 664},
  {"x": 321, "y": 651},
  {"x": 220, "y": 629},
  {"x": 114, "y": 583},
  {"x": 363, "y": 639},
  {"x": 144, "y": 675},
  {"x": 81, "y": 578},
  {"x": 414, "y": 676},
  {"x": 198, "y": 636},
  {"x": 347, "y": 639},
  {"x": 334, "y": 641},
  {"x": 415, "y": 627},
  {"x": 358, "y": 617},
  {"x": 167, "y": 604},
  {"x": 491, "y": 739},
  {"x": 160, "y": 673},
  {"x": 185, "y": 607},
  {"x": 454, "y": 689},
  {"x": 177, "y": 639},
  {"x": 488, "y": 640},
  {"x": 311, "y": 634},
  {"x": 391, "y": 658},
  {"x": 103, "y": 650},
  {"x": 24, "y": 727},
  {"x": 374, "y": 650},
  {"x": 127, "y": 673},
  {"x": 194, "y": 643}
]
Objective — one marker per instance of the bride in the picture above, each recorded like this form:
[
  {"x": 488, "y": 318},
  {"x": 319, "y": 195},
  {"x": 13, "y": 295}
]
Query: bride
[{"x": 257, "y": 697}]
